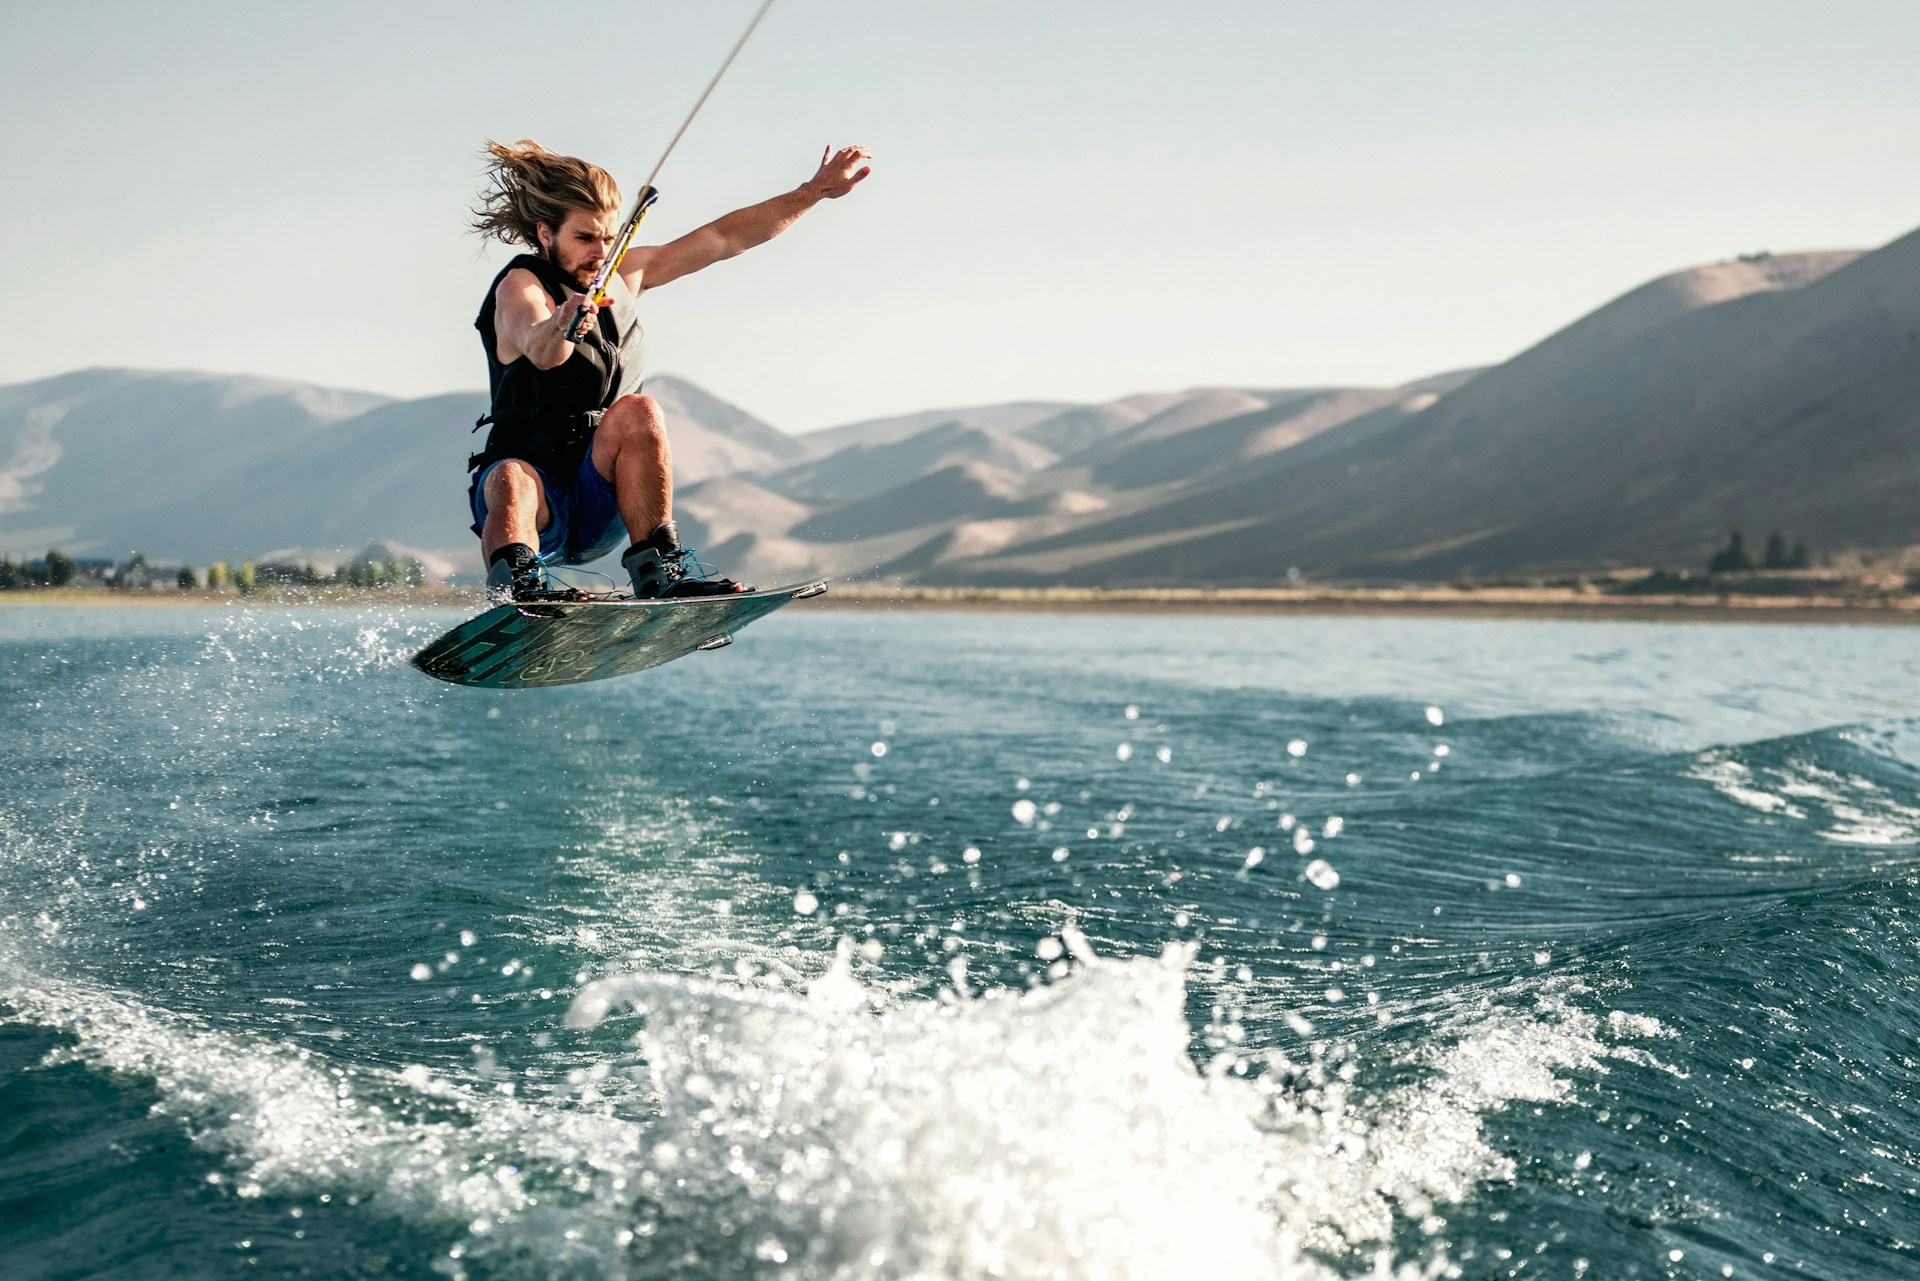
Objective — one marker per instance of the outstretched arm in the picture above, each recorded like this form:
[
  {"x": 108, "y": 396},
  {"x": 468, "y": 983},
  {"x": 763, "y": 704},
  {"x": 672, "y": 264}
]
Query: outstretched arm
[{"x": 650, "y": 266}]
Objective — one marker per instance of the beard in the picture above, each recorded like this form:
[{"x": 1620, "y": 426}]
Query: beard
[{"x": 580, "y": 271}]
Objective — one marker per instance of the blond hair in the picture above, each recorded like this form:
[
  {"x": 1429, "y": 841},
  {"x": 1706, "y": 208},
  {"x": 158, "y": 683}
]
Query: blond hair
[{"x": 529, "y": 185}]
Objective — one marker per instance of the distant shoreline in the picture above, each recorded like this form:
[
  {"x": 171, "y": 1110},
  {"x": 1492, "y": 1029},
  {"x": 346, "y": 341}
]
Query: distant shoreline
[
  {"x": 1311, "y": 602},
  {"x": 1387, "y": 602}
]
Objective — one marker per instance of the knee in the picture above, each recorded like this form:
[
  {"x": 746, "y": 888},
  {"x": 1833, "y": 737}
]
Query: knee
[
  {"x": 636, "y": 420},
  {"x": 512, "y": 483}
]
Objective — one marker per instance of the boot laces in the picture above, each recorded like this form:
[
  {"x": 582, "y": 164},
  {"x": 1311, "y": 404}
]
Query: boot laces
[{"x": 681, "y": 564}]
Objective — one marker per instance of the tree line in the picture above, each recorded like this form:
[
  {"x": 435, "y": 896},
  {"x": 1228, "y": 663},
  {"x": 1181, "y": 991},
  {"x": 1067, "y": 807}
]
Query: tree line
[
  {"x": 57, "y": 569},
  {"x": 1738, "y": 558}
]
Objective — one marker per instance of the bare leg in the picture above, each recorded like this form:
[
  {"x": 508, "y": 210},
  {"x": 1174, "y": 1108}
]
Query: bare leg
[
  {"x": 516, "y": 508},
  {"x": 630, "y": 451}
]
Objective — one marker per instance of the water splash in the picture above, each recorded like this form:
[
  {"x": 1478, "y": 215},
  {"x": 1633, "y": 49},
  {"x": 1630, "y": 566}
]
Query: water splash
[{"x": 1061, "y": 1131}]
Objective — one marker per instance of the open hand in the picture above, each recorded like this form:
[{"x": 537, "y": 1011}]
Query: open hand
[{"x": 840, "y": 171}]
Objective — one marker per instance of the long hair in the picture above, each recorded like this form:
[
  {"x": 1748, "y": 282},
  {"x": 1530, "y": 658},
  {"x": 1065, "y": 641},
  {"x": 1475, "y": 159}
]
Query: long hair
[{"x": 528, "y": 185}]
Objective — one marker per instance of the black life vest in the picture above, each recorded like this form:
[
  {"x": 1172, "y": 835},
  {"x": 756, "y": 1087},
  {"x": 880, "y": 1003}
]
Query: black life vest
[{"x": 547, "y": 416}]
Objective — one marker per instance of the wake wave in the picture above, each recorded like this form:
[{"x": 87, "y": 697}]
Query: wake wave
[{"x": 1061, "y": 1132}]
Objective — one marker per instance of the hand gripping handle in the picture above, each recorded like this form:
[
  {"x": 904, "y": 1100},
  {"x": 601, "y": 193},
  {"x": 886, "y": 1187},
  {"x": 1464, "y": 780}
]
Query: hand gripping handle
[{"x": 579, "y": 325}]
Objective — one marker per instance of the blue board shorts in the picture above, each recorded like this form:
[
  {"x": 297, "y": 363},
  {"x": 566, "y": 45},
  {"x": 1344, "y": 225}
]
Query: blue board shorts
[{"x": 586, "y": 520}]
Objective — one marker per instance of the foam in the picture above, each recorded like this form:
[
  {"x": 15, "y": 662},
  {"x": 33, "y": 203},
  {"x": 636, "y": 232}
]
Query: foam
[
  {"x": 510, "y": 1179},
  {"x": 1854, "y": 809},
  {"x": 1062, "y": 1131}
]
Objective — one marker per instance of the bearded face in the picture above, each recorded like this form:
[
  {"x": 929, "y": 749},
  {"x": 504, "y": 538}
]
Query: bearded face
[{"x": 580, "y": 245}]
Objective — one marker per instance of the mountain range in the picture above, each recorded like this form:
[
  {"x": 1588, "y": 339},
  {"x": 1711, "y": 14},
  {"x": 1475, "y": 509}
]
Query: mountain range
[{"x": 1771, "y": 391}]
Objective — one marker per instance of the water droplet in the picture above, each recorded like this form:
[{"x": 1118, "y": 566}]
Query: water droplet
[
  {"x": 1297, "y": 747},
  {"x": 1435, "y": 716},
  {"x": 805, "y": 903},
  {"x": 1302, "y": 842},
  {"x": 1333, "y": 827},
  {"x": 1163, "y": 754},
  {"x": 970, "y": 855},
  {"x": 1133, "y": 712},
  {"x": 879, "y": 749},
  {"x": 1254, "y": 856},
  {"x": 1048, "y": 949},
  {"x": 422, "y": 972},
  {"x": 468, "y": 938},
  {"x": 1060, "y": 854},
  {"x": 1024, "y": 810},
  {"x": 1321, "y": 874},
  {"x": 1021, "y": 785},
  {"x": 1353, "y": 780},
  {"x": 1441, "y": 749},
  {"x": 1124, "y": 752},
  {"x": 1513, "y": 880}
]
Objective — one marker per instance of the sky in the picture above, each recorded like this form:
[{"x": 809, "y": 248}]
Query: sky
[{"x": 1072, "y": 200}]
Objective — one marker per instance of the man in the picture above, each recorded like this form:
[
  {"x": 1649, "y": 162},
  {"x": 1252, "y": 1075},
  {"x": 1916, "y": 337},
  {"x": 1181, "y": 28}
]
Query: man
[{"x": 576, "y": 457}]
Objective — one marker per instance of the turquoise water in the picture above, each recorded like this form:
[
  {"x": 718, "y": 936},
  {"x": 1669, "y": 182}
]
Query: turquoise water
[{"x": 971, "y": 945}]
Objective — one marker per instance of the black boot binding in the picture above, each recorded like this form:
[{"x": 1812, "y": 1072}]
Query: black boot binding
[
  {"x": 661, "y": 568},
  {"x": 515, "y": 573}
]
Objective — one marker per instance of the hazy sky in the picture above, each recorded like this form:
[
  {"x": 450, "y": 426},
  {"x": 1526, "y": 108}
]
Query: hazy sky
[{"x": 1072, "y": 199}]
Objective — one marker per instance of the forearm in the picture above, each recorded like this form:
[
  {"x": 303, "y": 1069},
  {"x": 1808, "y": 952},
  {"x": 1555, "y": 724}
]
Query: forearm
[
  {"x": 546, "y": 343},
  {"x": 742, "y": 229}
]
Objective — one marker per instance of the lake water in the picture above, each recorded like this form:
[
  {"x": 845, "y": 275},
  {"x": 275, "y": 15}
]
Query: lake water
[{"x": 916, "y": 945}]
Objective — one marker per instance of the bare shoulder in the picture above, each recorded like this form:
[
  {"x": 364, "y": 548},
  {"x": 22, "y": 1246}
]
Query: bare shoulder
[
  {"x": 519, "y": 303},
  {"x": 521, "y": 286}
]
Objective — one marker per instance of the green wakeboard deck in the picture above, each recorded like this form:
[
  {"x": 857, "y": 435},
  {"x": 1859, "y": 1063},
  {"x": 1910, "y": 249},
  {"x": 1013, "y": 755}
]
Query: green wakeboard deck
[{"x": 530, "y": 644}]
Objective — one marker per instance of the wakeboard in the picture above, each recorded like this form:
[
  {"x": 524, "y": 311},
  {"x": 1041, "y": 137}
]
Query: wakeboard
[{"x": 530, "y": 644}]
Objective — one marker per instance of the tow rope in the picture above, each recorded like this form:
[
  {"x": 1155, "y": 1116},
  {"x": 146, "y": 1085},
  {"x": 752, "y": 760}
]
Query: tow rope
[{"x": 643, "y": 201}]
